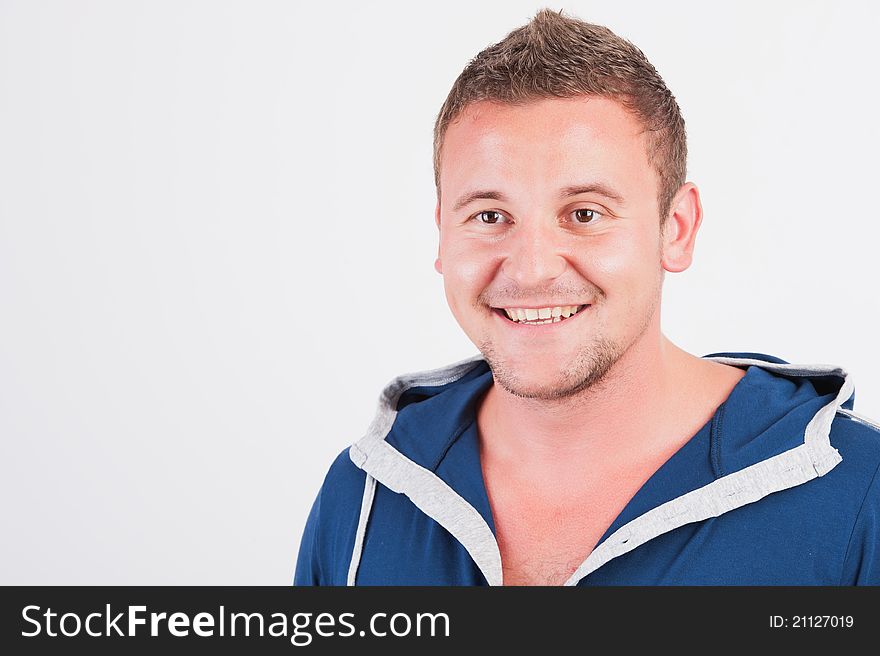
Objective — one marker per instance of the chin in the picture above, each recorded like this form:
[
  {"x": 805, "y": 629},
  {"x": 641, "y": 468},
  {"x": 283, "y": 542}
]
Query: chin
[{"x": 533, "y": 379}]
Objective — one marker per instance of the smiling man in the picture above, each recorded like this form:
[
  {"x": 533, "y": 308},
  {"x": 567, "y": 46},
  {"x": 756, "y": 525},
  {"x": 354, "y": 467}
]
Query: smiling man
[{"x": 582, "y": 447}]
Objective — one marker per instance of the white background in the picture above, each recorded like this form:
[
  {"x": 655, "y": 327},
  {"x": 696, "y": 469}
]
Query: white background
[{"x": 217, "y": 245}]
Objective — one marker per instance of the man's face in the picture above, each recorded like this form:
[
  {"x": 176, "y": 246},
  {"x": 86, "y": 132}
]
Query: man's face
[{"x": 573, "y": 226}]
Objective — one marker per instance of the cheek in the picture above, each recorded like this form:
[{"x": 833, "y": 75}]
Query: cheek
[
  {"x": 467, "y": 267},
  {"x": 626, "y": 267}
]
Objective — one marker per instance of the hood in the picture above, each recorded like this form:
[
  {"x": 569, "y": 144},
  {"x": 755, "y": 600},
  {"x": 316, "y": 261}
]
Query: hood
[{"x": 780, "y": 439}]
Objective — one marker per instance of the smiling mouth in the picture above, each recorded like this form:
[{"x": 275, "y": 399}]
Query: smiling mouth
[{"x": 539, "y": 316}]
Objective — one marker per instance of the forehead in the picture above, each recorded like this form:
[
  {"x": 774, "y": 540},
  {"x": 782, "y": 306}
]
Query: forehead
[{"x": 547, "y": 141}]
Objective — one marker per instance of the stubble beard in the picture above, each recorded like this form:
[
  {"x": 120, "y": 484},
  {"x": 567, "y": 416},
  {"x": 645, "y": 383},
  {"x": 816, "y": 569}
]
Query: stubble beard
[{"x": 588, "y": 369}]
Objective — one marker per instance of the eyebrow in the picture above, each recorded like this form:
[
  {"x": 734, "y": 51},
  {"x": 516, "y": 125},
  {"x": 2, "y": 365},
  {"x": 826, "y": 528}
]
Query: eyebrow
[{"x": 565, "y": 192}]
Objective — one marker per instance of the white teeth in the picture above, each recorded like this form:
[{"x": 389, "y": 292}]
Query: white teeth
[{"x": 537, "y": 316}]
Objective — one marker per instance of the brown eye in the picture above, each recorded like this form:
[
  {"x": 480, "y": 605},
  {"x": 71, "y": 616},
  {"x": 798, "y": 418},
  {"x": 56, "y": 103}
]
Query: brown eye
[
  {"x": 584, "y": 215},
  {"x": 489, "y": 216}
]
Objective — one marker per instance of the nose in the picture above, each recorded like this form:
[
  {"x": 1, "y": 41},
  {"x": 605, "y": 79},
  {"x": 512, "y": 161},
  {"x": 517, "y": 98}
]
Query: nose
[{"x": 534, "y": 257}]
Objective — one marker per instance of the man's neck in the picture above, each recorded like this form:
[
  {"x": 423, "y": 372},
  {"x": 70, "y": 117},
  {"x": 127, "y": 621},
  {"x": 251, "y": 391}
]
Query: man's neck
[{"x": 626, "y": 417}]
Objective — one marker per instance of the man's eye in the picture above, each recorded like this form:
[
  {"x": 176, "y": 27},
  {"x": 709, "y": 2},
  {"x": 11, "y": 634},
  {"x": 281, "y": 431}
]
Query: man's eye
[
  {"x": 489, "y": 216},
  {"x": 585, "y": 215}
]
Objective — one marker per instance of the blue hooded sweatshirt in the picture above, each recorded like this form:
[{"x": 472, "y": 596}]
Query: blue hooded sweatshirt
[{"x": 780, "y": 487}]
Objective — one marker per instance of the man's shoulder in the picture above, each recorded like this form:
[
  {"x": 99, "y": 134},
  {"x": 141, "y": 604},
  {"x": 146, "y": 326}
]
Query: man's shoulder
[
  {"x": 857, "y": 438},
  {"x": 337, "y": 506},
  {"x": 852, "y": 487},
  {"x": 343, "y": 479},
  {"x": 329, "y": 533},
  {"x": 853, "y": 421},
  {"x": 857, "y": 484}
]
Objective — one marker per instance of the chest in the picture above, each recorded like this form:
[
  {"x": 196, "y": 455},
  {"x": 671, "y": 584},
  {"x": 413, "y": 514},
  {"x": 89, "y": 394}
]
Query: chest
[{"x": 543, "y": 538}]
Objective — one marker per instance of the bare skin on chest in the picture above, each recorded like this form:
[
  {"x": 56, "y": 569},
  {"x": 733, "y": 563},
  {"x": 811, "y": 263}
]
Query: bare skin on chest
[{"x": 545, "y": 530}]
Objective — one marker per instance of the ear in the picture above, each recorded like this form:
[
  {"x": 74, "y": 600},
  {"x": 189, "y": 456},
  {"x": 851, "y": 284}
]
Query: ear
[
  {"x": 437, "y": 264},
  {"x": 680, "y": 231}
]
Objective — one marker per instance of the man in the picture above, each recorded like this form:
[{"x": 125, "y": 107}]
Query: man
[{"x": 583, "y": 447}]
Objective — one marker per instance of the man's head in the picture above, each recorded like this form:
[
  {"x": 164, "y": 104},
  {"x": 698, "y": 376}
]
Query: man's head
[
  {"x": 555, "y": 56},
  {"x": 557, "y": 153}
]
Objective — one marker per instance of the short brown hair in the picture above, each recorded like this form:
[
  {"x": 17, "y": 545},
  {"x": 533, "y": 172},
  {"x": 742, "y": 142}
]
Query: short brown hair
[{"x": 558, "y": 56}]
